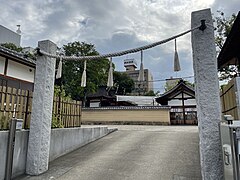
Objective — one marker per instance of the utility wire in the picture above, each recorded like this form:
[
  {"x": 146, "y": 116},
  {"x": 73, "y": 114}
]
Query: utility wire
[
  {"x": 187, "y": 77},
  {"x": 159, "y": 80}
]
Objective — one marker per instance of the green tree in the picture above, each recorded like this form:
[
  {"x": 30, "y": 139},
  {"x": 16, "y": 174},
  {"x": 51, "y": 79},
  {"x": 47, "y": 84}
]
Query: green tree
[
  {"x": 12, "y": 47},
  {"x": 223, "y": 28},
  {"x": 97, "y": 70},
  {"x": 150, "y": 93},
  {"x": 169, "y": 86},
  {"x": 123, "y": 83}
]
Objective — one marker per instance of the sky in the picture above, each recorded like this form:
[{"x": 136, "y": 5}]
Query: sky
[{"x": 115, "y": 25}]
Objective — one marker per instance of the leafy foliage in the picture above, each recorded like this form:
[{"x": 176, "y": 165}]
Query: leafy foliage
[
  {"x": 150, "y": 93},
  {"x": 228, "y": 72},
  {"x": 3, "y": 121},
  {"x": 224, "y": 25},
  {"x": 123, "y": 83},
  {"x": 60, "y": 91},
  {"x": 72, "y": 70},
  {"x": 12, "y": 47},
  {"x": 169, "y": 86},
  {"x": 173, "y": 84},
  {"x": 56, "y": 123}
]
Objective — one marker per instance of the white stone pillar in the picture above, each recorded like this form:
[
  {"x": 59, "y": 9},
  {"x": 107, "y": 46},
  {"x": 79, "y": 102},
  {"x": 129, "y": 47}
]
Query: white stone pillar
[
  {"x": 40, "y": 126},
  {"x": 207, "y": 96}
]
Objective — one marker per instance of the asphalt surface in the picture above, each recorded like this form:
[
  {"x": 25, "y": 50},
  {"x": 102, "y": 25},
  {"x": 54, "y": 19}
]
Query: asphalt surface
[{"x": 134, "y": 153}]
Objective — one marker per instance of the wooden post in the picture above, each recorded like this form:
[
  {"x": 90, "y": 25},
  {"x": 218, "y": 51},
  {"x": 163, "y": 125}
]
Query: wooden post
[
  {"x": 183, "y": 107},
  {"x": 26, "y": 111},
  {"x": 207, "y": 96}
]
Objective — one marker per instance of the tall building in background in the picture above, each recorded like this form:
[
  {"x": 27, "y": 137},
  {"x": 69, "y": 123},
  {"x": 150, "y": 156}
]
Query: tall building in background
[
  {"x": 8, "y": 36},
  {"x": 140, "y": 87}
]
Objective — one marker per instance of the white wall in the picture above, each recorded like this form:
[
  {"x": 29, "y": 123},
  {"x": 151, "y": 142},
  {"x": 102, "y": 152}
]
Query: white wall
[
  {"x": 63, "y": 140},
  {"x": 139, "y": 100},
  {"x": 20, "y": 152},
  {"x": 94, "y": 104},
  {"x": 190, "y": 102},
  {"x": 184, "y": 95},
  {"x": 8, "y": 36},
  {"x": 20, "y": 71},
  {"x": 176, "y": 102},
  {"x": 2, "y": 64}
]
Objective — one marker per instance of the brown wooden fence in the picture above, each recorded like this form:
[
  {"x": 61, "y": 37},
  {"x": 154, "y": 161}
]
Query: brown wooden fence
[
  {"x": 18, "y": 103},
  {"x": 228, "y": 99},
  {"x": 14, "y": 103},
  {"x": 66, "y": 113}
]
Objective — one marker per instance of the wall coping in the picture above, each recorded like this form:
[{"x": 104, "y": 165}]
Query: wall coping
[{"x": 128, "y": 108}]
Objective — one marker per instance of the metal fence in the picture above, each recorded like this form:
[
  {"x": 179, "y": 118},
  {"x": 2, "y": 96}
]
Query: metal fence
[{"x": 18, "y": 103}]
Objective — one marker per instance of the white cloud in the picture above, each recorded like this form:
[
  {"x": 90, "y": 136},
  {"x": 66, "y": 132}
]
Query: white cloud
[{"x": 113, "y": 25}]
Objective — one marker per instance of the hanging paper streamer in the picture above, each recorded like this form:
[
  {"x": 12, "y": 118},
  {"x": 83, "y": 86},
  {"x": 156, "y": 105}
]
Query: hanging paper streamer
[
  {"x": 141, "y": 71},
  {"x": 176, "y": 59},
  {"x": 84, "y": 76},
  {"x": 59, "y": 70},
  {"x": 110, "y": 75}
]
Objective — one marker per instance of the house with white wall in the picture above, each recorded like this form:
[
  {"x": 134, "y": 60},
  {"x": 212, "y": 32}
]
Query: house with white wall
[{"x": 16, "y": 70}]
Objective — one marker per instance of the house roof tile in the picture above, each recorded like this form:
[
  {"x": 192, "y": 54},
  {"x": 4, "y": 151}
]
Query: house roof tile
[
  {"x": 180, "y": 87},
  {"x": 17, "y": 56}
]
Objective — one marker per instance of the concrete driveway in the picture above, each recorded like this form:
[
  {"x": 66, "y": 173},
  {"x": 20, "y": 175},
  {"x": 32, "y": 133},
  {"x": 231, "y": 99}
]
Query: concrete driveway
[{"x": 133, "y": 152}]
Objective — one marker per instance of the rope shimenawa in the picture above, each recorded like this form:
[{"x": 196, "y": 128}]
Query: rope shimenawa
[{"x": 121, "y": 53}]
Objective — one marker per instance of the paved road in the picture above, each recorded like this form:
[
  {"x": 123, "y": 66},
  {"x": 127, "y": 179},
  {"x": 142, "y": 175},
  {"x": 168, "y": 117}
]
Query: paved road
[{"x": 133, "y": 153}]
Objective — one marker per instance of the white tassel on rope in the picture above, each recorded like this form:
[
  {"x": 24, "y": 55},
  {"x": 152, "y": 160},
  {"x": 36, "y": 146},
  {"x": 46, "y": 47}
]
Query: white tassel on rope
[
  {"x": 110, "y": 75},
  {"x": 84, "y": 75},
  {"x": 59, "y": 70},
  {"x": 141, "y": 70},
  {"x": 176, "y": 59}
]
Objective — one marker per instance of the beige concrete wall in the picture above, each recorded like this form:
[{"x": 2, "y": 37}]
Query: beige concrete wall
[{"x": 135, "y": 116}]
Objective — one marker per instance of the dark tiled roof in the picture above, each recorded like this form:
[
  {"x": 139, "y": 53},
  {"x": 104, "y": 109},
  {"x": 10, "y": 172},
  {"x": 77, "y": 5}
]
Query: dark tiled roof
[
  {"x": 180, "y": 87},
  {"x": 16, "y": 56},
  {"x": 101, "y": 92}
]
